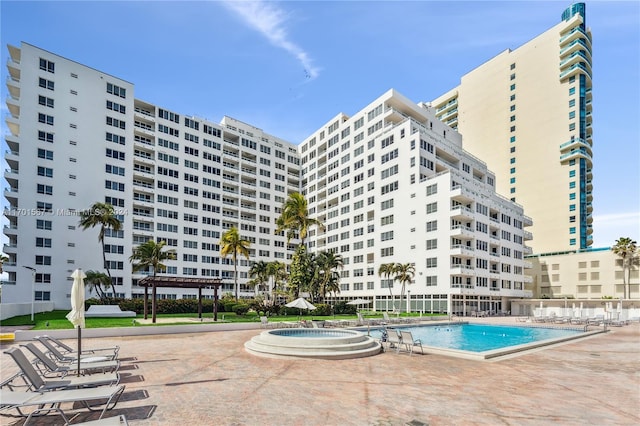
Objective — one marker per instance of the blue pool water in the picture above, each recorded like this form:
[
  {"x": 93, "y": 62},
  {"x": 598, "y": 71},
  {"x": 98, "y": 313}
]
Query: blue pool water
[{"x": 479, "y": 338}]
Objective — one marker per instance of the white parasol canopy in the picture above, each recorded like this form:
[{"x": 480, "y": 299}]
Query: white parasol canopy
[
  {"x": 76, "y": 316},
  {"x": 300, "y": 303},
  {"x": 359, "y": 302}
]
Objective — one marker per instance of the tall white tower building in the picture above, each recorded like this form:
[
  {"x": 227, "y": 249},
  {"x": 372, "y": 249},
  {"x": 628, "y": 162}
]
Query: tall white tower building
[{"x": 528, "y": 113}]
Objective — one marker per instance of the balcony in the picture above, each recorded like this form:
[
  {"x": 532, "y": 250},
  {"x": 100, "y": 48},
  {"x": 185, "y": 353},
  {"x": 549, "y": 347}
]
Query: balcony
[
  {"x": 461, "y": 231},
  {"x": 462, "y": 213},
  {"x": 576, "y": 69},
  {"x": 462, "y": 250},
  {"x": 464, "y": 270},
  {"x": 528, "y": 236},
  {"x": 576, "y": 45},
  {"x": 576, "y": 153}
]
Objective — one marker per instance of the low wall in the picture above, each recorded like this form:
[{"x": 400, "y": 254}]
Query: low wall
[
  {"x": 24, "y": 335},
  {"x": 9, "y": 310}
]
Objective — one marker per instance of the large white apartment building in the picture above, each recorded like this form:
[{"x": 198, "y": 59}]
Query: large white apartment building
[
  {"x": 78, "y": 136},
  {"x": 528, "y": 113},
  {"x": 393, "y": 184}
]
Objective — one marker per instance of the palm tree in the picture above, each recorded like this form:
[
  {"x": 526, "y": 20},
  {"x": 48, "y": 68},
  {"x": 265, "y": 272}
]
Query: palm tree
[
  {"x": 626, "y": 248},
  {"x": 151, "y": 255},
  {"x": 3, "y": 259},
  {"x": 94, "y": 280},
  {"x": 277, "y": 271},
  {"x": 385, "y": 271},
  {"x": 232, "y": 244},
  {"x": 328, "y": 263},
  {"x": 104, "y": 216},
  {"x": 404, "y": 273},
  {"x": 260, "y": 273},
  {"x": 295, "y": 219}
]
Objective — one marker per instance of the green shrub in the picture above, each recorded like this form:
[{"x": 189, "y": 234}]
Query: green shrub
[
  {"x": 240, "y": 308},
  {"x": 343, "y": 308}
]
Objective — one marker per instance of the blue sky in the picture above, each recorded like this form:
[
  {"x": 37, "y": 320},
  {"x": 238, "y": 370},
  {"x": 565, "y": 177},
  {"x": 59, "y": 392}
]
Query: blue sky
[{"x": 288, "y": 67}]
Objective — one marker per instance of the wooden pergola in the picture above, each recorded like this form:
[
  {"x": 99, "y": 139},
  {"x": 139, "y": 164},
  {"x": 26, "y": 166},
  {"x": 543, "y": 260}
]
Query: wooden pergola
[{"x": 179, "y": 282}]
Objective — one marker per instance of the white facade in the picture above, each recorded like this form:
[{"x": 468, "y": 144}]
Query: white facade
[
  {"x": 528, "y": 113},
  {"x": 79, "y": 136},
  {"x": 392, "y": 184}
]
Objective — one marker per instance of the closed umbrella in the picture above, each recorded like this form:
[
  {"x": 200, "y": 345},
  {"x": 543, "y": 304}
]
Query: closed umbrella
[{"x": 76, "y": 316}]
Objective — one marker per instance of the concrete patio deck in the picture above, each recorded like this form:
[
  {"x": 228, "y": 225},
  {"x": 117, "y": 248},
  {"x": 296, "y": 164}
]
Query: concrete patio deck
[{"x": 208, "y": 379}]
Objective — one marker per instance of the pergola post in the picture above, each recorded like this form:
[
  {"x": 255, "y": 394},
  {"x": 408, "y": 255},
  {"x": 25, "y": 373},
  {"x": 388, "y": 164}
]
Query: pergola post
[
  {"x": 153, "y": 303},
  {"x": 200, "y": 302},
  {"x": 146, "y": 300},
  {"x": 215, "y": 302}
]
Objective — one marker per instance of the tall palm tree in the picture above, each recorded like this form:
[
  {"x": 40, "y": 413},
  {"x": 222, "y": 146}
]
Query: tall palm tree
[
  {"x": 404, "y": 273},
  {"x": 328, "y": 263},
  {"x": 232, "y": 244},
  {"x": 104, "y": 216},
  {"x": 260, "y": 273},
  {"x": 626, "y": 248},
  {"x": 95, "y": 280},
  {"x": 294, "y": 219},
  {"x": 277, "y": 271},
  {"x": 151, "y": 255},
  {"x": 385, "y": 271}
]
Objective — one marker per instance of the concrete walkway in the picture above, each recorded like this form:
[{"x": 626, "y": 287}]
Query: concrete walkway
[{"x": 207, "y": 378}]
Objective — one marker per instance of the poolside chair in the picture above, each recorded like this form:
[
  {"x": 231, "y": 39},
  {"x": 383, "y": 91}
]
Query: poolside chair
[
  {"x": 364, "y": 321},
  {"x": 264, "y": 322},
  {"x": 46, "y": 402},
  {"x": 389, "y": 320},
  {"x": 409, "y": 342},
  {"x": 65, "y": 349},
  {"x": 394, "y": 340},
  {"x": 49, "y": 367},
  {"x": 38, "y": 383},
  {"x": 56, "y": 355}
]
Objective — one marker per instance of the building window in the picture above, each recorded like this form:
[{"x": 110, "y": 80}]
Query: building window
[
  {"x": 512, "y": 180},
  {"x": 572, "y": 126},
  {"x": 572, "y": 103},
  {"x": 572, "y": 207},
  {"x": 512, "y": 170},
  {"x": 48, "y": 66},
  {"x": 572, "y": 242},
  {"x": 512, "y": 139},
  {"x": 572, "y": 196},
  {"x": 572, "y": 114},
  {"x": 513, "y": 87},
  {"x": 572, "y": 91},
  {"x": 572, "y": 173},
  {"x": 46, "y": 119}
]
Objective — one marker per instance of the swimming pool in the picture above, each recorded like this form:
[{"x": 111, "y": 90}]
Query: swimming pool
[{"x": 484, "y": 341}]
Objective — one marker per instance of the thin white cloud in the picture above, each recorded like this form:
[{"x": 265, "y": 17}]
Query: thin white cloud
[{"x": 270, "y": 21}]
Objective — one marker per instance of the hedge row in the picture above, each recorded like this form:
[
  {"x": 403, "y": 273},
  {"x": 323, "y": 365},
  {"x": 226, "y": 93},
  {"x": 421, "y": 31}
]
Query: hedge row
[{"x": 188, "y": 306}]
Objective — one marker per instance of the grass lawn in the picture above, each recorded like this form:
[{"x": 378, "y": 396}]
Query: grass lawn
[{"x": 56, "y": 320}]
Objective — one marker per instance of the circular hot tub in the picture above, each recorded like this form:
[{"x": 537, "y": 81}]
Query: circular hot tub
[{"x": 313, "y": 343}]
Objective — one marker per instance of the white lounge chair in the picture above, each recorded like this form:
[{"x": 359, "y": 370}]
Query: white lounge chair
[
  {"x": 389, "y": 320},
  {"x": 409, "y": 342},
  {"x": 393, "y": 339},
  {"x": 49, "y": 367},
  {"x": 111, "y": 352},
  {"x": 38, "y": 383},
  {"x": 55, "y": 353},
  {"x": 46, "y": 402}
]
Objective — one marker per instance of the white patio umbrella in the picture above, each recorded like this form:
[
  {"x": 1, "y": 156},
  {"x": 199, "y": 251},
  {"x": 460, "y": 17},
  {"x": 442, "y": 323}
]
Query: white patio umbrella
[
  {"x": 76, "y": 316},
  {"x": 359, "y": 302},
  {"x": 300, "y": 303}
]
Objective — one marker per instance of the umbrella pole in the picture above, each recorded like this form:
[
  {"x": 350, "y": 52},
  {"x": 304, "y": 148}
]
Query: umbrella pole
[{"x": 79, "y": 347}]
